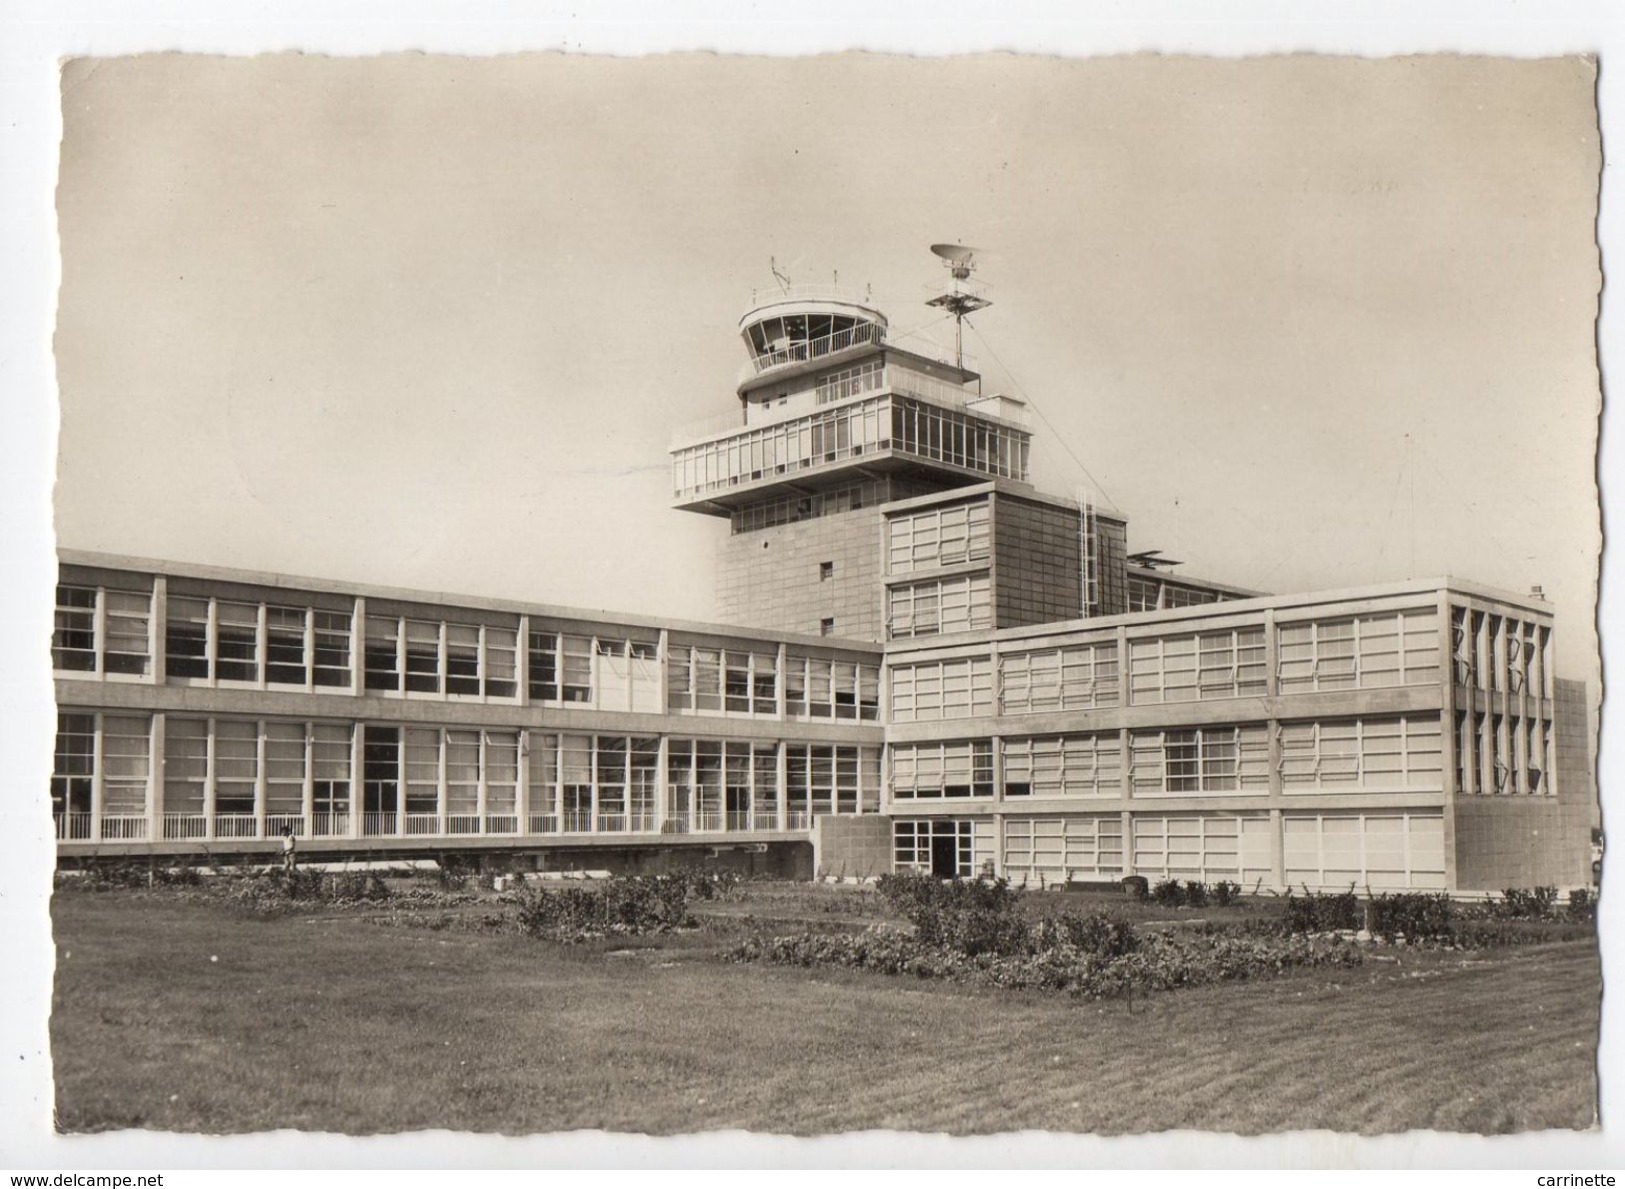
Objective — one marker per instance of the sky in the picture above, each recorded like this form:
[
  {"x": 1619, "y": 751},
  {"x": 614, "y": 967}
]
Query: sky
[{"x": 431, "y": 322}]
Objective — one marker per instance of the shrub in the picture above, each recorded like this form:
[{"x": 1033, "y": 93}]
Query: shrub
[
  {"x": 622, "y": 904},
  {"x": 904, "y": 889},
  {"x": 708, "y": 883},
  {"x": 1226, "y": 893},
  {"x": 1416, "y": 916},
  {"x": 453, "y": 871},
  {"x": 1528, "y": 903},
  {"x": 1091, "y": 933},
  {"x": 1323, "y": 912},
  {"x": 281, "y": 891},
  {"x": 1582, "y": 905},
  {"x": 1196, "y": 893},
  {"x": 971, "y": 916},
  {"x": 1168, "y": 893},
  {"x": 1137, "y": 887}
]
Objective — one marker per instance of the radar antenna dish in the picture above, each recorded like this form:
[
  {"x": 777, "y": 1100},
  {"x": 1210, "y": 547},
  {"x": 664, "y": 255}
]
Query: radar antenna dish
[
  {"x": 957, "y": 258},
  {"x": 960, "y": 262}
]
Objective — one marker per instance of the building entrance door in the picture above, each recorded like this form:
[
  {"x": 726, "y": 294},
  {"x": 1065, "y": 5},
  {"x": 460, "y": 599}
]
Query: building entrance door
[{"x": 944, "y": 856}]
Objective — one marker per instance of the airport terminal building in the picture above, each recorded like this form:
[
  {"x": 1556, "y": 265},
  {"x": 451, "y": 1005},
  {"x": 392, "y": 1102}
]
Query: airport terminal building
[{"x": 925, "y": 663}]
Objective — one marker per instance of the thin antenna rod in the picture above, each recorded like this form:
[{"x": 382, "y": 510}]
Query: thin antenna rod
[{"x": 960, "y": 262}]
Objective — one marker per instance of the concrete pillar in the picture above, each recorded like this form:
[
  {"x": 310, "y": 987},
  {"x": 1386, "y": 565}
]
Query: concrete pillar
[
  {"x": 157, "y": 637},
  {"x": 662, "y": 782},
  {"x": 155, "y": 779},
  {"x": 558, "y": 778},
  {"x": 480, "y": 789},
  {"x": 307, "y": 795},
  {"x": 521, "y": 660},
  {"x": 259, "y": 758},
  {"x": 440, "y": 760},
  {"x": 261, "y": 640},
  {"x": 358, "y": 648},
  {"x": 211, "y": 637},
  {"x": 1277, "y": 849},
  {"x": 782, "y": 776},
  {"x": 98, "y": 636},
  {"x": 1448, "y": 744},
  {"x": 97, "y": 763},
  {"x": 208, "y": 763},
  {"x": 784, "y": 683},
  {"x": 996, "y": 761},
  {"x": 1128, "y": 842},
  {"x": 521, "y": 790},
  {"x": 358, "y": 772}
]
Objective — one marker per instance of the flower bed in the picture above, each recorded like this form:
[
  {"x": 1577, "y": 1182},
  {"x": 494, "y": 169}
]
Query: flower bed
[
  {"x": 1157, "y": 962},
  {"x": 622, "y": 904}
]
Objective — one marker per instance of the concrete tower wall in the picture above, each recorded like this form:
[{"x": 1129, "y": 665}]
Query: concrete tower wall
[
  {"x": 1038, "y": 564},
  {"x": 775, "y": 578}
]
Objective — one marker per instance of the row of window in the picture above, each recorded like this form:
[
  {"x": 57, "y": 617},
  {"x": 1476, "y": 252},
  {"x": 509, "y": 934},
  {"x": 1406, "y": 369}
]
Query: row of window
[
  {"x": 1054, "y": 850},
  {"x": 1363, "y": 652},
  {"x": 943, "y": 847},
  {"x": 880, "y": 423},
  {"x": 1076, "y": 677},
  {"x": 1353, "y": 754},
  {"x": 848, "y": 431},
  {"x": 102, "y": 631},
  {"x": 960, "y": 603},
  {"x": 1160, "y": 594},
  {"x": 1222, "y": 664},
  {"x": 222, "y": 641},
  {"x": 939, "y": 536},
  {"x": 1368, "y": 652},
  {"x": 848, "y": 382},
  {"x": 1199, "y": 760},
  {"x": 1381, "y": 851},
  {"x": 1063, "y": 766},
  {"x": 1389, "y": 850},
  {"x": 235, "y": 772},
  {"x": 716, "y": 680},
  {"x": 934, "y": 771}
]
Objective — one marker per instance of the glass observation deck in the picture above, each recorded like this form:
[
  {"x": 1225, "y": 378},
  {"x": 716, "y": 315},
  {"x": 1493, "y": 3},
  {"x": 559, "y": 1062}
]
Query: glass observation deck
[
  {"x": 802, "y": 323},
  {"x": 904, "y": 422}
]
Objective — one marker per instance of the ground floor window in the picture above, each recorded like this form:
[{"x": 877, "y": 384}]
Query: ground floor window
[
  {"x": 941, "y": 847},
  {"x": 1204, "y": 847},
  {"x": 72, "y": 777},
  {"x": 1375, "y": 850},
  {"x": 1055, "y": 850}
]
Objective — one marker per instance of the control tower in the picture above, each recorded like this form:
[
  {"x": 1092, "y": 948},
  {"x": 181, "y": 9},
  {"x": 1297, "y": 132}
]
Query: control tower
[{"x": 835, "y": 425}]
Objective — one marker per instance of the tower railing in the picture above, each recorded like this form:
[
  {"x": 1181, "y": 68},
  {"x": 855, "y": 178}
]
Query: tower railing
[
  {"x": 807, "y": 291},
  {"x": 801, "y": 350}
]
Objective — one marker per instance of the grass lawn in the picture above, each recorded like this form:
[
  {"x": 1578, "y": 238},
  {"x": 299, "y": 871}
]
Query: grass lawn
[{"x": 184, "y": 1015}]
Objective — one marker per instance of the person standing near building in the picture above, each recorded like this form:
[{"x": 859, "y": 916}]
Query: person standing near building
[{"x": 288, "y": 861}]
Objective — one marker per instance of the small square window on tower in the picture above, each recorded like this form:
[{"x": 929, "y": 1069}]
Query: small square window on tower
[
  {"x": 826, "y": 627},
  {"x": 826, "y": 571}
]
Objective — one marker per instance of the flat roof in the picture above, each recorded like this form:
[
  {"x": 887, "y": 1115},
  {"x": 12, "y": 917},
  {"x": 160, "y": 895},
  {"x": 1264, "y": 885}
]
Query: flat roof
[
  {"x": 1232, "y": 608},
  {"x": 294, "y": 582}
]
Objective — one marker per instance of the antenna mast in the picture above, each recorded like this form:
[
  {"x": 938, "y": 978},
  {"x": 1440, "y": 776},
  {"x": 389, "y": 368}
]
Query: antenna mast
[{"x": 960, "y": 262}]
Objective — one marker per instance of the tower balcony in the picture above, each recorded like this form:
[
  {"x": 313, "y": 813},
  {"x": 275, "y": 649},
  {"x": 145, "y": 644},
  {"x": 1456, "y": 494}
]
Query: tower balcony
[{"x": 890, "y": 430}]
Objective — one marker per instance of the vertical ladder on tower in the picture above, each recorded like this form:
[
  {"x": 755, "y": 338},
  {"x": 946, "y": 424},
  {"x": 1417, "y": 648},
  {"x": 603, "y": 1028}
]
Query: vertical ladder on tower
[{"x": 1088, "y": 550}]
